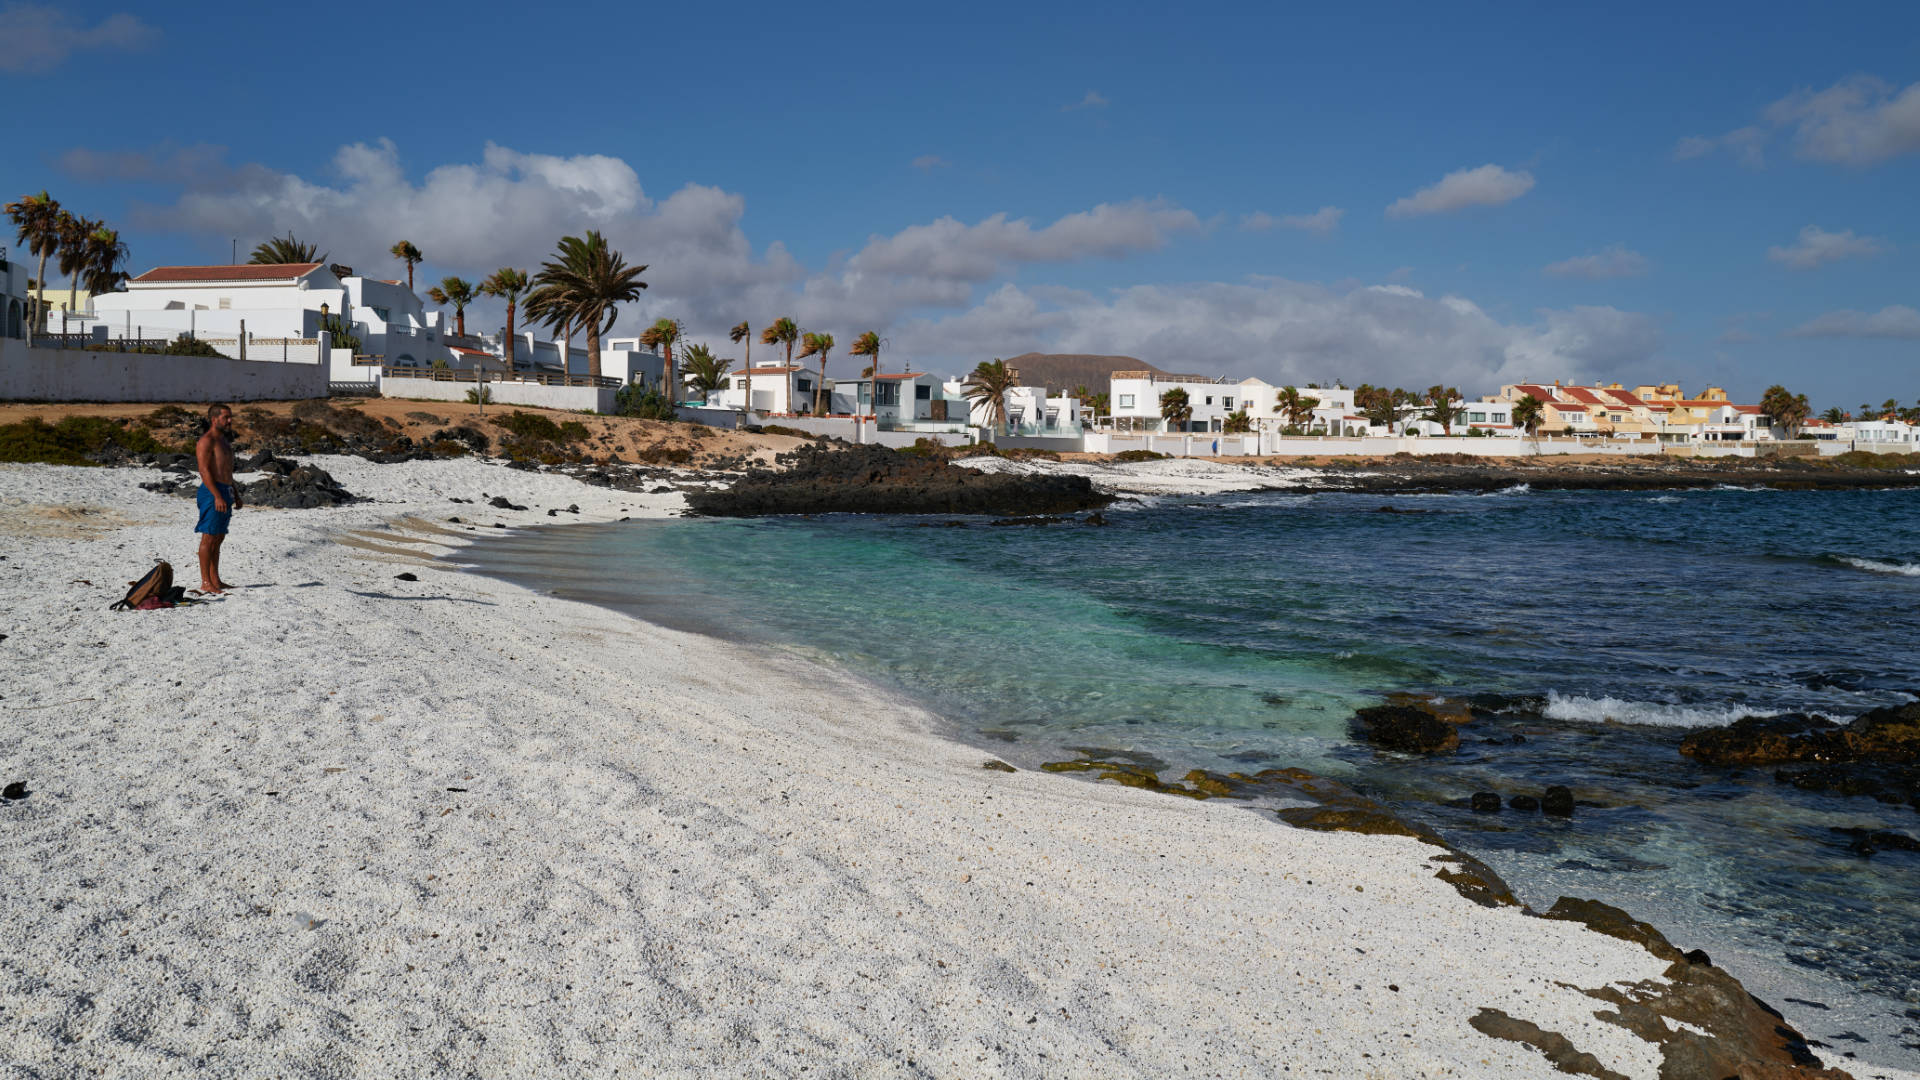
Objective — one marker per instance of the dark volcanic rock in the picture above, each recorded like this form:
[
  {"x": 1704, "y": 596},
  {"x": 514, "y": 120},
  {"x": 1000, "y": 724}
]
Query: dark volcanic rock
[
  {"x": 1557, "y": 801},
  {"x": 875, "y": 480},
  {"x": 1486, "y": 802},
  {"x": 1886, "y": 783},
  {"x": 1877, "y": 755},
  {"x": 1757, "y": 740},
  {"x": 302, "y": 488},
  {"x": 1526, "y": 804},
  {"x": 1406, "y": 729},
  {"x": 1728, "y": 1031}
]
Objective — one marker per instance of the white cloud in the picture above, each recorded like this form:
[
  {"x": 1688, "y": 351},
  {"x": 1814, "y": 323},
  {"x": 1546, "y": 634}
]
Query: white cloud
[
  {"x": 1322, "y": 221},
  {"x": 37, "y": 38},
  {"x": 1614, "y": 262},
  {"x": 939, "y": 290},
  {"x": 1747, "y": 143},
  {"x": 1817, "y": 246},
  {"x": 930, "y": 162},
  {"x": 1895, "y": 321},
  {"x": 1093, "y": 100},
  {"x": 1285, "y": 330},
  {"x": 1858, "y": 121},
  {"x": 1488, "y": 185}
]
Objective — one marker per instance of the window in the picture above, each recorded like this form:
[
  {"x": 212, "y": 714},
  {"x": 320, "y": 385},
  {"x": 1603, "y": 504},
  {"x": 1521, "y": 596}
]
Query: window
[
  {"x": 805, "y": 385},
  {"x": 1126, "y": 401},
  {"x": 226, "y": 303},
  {"x": 1209, "y": 399},
  {"x": 1476, "y": 418},
  {"x": 886, "y": 393},
  {"x": 922, "y": 392},
  {"x": 1226, "y": 403}
]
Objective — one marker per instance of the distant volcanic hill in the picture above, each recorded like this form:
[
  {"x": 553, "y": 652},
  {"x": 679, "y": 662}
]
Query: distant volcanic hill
[{"x": 1064, "y": 371}]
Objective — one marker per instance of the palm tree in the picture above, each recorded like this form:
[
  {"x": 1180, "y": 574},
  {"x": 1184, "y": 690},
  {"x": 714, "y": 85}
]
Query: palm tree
[
  {"x": 662, "y": 335},
  {"x": 458, "y": 292},
  {"x": 708, "y": 372},
  {"x": 105, "y": 252},
  {"x": 1238, "y": 423},
  {"x": 1834, "y": 415},
  {"x": 1527, "y": 414},
  {"x": 285, "y": 249},
  {"x": 743, "y": 335},
  {"x": 1175, "y": 408},
  {"x": 1380, "y": 405},
  {"x": 783, "y": 331},
  {"x": 73, "y": 252},
  {"x": 987, "y": 386},
  {"x": 817, "y": 345},
  {"x": 869, "y": 345},
  {"x": 1785, "y": 408},
  {"x": 506, "y": 284},
  {"x": 407, "y": 253},
  {"x": 36, "y": 219},
  {"x": 1440, "y": 408},
  {"x": 582, "y": 288},
  {"x": 1297, "y": 406}
]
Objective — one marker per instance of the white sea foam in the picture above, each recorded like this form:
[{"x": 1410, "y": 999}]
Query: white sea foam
[
  {"x": 1517, "y": 489},
  {"x": 1874, "y": 565},
  {"x": 1666, "y": 499},
  {"x": 1645, "y": 713}
]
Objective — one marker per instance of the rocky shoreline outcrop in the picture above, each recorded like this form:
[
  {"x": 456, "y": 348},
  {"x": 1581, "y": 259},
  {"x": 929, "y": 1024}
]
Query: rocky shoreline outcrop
[
  {"x": 1462, "y": 473},
  {"x": 876, "y": 480},
  {"x": 1875, "y": 755}
]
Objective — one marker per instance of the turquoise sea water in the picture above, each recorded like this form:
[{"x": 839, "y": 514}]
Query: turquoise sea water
[{"x": 1240, "y": 632}]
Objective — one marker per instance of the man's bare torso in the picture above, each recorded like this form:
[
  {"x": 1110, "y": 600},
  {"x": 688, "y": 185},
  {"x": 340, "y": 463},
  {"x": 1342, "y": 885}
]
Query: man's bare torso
[{"x": 216, "y": 457}]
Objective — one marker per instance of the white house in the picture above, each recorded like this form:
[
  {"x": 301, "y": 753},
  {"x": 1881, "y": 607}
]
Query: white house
[
  {"x": 14, "y": 297},
  {"x": 777, "y": 389},
  {"x": 1133, "y": 400},
  {"x": 1872, "y": 434},
  {"x": 277, "y": 301}
]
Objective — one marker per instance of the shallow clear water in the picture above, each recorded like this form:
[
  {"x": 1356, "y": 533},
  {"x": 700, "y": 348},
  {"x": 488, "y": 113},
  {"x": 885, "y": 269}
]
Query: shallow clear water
[{"x": 1240, "y": 632}]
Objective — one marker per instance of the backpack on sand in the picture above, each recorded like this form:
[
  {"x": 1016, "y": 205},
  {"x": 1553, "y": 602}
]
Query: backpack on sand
[{"x": 154, "y": 590}]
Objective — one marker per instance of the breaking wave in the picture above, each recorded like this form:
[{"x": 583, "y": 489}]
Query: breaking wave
[
  {"x": 1642, "y": 713},
  {"x": 1877, "y": 567}
]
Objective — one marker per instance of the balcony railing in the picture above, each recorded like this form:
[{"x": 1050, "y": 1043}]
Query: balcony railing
[{"x": 469, "y": 375}]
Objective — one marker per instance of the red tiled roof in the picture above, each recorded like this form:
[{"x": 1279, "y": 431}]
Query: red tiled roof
[
  {"x": 902, "y": 375},
  {"x": 1541, "y": 393},
  {"x": 775, "y": 370},
  {"x": 1623, "y": 397},
  {"x": 1584, "y": 395},
  {"x": 249, "y": 272},
  {"x": 1750, "y": 410},
  {"x": 1564, "y": 407},
  {"x": 470, "y": 352}
]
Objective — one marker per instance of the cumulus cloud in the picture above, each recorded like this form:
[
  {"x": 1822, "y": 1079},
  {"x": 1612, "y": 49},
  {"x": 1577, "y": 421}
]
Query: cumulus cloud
[
  {"x": 37, "y": 38},
  {"x": 1283, "y": 330},
  {"x": 1488, "y": 185},
  {"x": 1093, "y": 100},
  {"x": 1858, "y": 121},
  {"x": 1322, "y": 221},
  {"x": 930, "y": 162},
  {"x": 1894, "y": 321},
  {"x": 1817, "y": 246},
  {"x": 940, "y": 290},
  {"x": 1614, "y": 262}
]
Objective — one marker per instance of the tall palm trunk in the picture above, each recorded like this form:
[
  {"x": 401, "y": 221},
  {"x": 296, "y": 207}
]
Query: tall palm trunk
[
  {"x": 747, "y": 375},
  {"x": 460, "y": 321},
  {"x": 40, "y": 292},
  {"x": 673, "y": 385},
  {"x": 507, "y": 351},
  {"x": 789, "y": 377},
  {"x": 593, "y": 349},
  {"x": 820, "y": 387}
]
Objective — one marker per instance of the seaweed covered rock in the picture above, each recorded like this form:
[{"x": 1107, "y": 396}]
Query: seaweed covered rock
[
  {"x": 1407, "y": 729},
  {"x": 302, "y": 487},
  {"x": 1884, "y": 736},
  {"x": 876, "y": 480}
]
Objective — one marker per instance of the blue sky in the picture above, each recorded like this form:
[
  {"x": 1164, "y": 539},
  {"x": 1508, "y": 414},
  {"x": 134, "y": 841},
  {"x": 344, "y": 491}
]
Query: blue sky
[{"x": 1402, "y": 194}]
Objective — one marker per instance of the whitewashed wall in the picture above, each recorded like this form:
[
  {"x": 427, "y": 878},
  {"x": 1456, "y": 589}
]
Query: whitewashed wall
[
  {"x": 532, "y": 395},
  {"x": 76, "y": 375}
]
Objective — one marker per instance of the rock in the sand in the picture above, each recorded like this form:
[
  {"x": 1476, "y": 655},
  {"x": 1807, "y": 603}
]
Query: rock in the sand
[
  {"x": 876, "y": 480},
  {"x": 1557, "y": 801},
  {"x": 302, "y": 488},
  {"x": 1701, "y": 1019},
  {"x": 15, "y": 791},
  {"x": 1405, "y": 729},
  {"x": 1486, "y": 802},
  {"x": 501, "y": 502},
  {"x": 406, "y": 577},
  {"x": 997, "y": 765},
  {"x": 1526, "y": 804}
]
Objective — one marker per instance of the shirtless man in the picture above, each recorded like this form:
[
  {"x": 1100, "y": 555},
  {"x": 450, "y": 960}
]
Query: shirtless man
[{"x": 218, "y": 497}]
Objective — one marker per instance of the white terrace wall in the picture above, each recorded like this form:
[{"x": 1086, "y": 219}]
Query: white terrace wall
[
  {"x": 77, "y": 375},
  {"x": 531, "y": 394}
]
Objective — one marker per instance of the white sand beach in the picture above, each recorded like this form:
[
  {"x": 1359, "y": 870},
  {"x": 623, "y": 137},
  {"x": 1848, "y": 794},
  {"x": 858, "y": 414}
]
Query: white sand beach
[{"x": 338, "y": 824}]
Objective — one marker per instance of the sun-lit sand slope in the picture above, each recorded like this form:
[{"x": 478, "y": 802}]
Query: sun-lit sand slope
[{"x": 338, "y": 824}]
